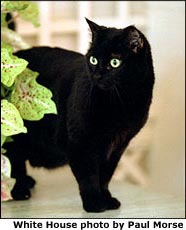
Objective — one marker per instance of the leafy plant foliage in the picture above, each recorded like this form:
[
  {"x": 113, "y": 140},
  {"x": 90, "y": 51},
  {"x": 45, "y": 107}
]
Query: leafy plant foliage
[
  {"x": 30, "y": 98},
  {"x": 21, "y": 96}
]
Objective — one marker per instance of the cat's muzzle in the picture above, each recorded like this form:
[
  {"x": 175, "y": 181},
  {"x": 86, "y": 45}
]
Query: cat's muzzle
[{"x": 106, "y": 86}]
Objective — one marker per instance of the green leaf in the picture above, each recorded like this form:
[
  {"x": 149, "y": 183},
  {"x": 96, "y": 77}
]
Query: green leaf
[
  {"x": 11, "y": 66},
  {"x": 30, "y": 98},
  {"x": 31, "y": 14},
  {"x": 3, "y": 91},
  {"x": 7, "y": 46},
  {"x": 3, "y": 19},
  {"x": 3, "y": 139},
  {"x": 11, "y": 121},
  {"x": 9, "y": 6},
  {"x": 3, "y": 151}
]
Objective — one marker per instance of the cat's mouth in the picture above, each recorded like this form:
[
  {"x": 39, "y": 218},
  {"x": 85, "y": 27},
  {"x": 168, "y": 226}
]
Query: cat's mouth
[{"x": 103, "y": 86}]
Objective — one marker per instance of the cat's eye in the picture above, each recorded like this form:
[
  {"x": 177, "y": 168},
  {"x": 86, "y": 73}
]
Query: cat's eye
[
  {"x": 115, "y": 63},
  {"x": 93, "y": 60}
]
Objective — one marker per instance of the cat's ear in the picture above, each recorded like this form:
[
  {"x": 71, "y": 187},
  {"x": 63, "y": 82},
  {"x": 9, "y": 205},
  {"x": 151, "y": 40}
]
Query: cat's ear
[
  {"x": 93, "y": 26},
  {"x": 135, "y": 40}
]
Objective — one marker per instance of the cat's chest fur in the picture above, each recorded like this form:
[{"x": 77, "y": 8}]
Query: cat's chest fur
[
  {"x": 103, "y": 114},
  {"x": 108, "y": 110}
]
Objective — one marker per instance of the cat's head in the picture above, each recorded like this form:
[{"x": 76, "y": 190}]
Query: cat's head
[{"x": 112, "y": 52}]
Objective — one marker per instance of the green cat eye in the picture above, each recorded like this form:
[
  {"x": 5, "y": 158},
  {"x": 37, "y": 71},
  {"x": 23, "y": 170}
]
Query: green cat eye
[
  {"x": 115, "y": 63},
  {"x": 93, "y": 60}
]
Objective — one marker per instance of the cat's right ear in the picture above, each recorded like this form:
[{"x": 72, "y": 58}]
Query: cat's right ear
[{"x": 95, "y": 28}]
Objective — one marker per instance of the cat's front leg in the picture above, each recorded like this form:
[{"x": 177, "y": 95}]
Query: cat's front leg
[
  {"x": 107, "y": 169},
  {"x": 85, "y": 164},
  {"x": 113, "y": 203}
]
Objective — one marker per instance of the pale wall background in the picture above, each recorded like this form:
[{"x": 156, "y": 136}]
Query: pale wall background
[
  {"x": 63, "y": 24},
  {"x": 167, "y": 36}
]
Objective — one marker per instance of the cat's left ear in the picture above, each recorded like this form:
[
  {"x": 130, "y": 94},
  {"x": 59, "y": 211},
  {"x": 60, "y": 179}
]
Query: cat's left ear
[{"x": 135, "y": 40}]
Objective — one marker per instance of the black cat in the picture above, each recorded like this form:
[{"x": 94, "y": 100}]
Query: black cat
[{"x": 102, "y": 99}]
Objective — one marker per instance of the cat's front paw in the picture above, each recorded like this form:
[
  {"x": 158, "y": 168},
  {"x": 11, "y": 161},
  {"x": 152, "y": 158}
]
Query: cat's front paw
[
  {"x": 96, "y": 202},
  {"x": 20, "y": 193},
  {"x": 102, "y": 205},
  {"x": 113, "y": 203},
  {"x": 93, "y": 201},
  {"x": 95, "y": 206}
]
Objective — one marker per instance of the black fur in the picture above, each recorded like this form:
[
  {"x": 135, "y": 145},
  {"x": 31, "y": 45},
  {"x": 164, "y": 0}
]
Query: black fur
[
  {"x": 100, "y": 109},
  {"x": 11, "y": 22}
]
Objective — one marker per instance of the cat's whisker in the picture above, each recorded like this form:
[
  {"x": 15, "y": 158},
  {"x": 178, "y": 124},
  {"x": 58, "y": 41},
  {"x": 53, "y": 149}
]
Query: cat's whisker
[
  {"x": 118, "y": 94},
  {"x": 89, "y": 96},
  {"x": 113, "y": 96}
]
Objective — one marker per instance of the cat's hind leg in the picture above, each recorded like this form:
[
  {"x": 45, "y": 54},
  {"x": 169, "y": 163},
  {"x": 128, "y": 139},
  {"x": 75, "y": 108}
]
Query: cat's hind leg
[{"x": 21, "y": 189}]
